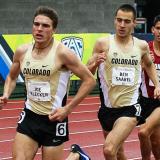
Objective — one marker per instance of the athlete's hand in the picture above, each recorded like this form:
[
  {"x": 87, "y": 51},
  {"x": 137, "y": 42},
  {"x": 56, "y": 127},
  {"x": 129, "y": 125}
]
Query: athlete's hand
[
  {"x": 3, "y": 102},
  {"x": 59, "y": 114},
  {"x": 157, "y": 92},
  {"x": 100, "y": 58}
]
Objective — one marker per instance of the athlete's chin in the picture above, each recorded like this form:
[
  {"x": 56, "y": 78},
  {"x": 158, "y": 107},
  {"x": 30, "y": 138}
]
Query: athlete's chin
[
  {"x": 122, "y": 34},
  {"x": 39, "y": 40},
  {"x": 158, "y": 39}
]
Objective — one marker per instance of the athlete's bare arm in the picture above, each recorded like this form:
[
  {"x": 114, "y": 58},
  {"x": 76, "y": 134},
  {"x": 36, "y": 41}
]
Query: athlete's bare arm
[
  {"x": 10, "y": 82},
  {"x": 150, "y": 67},
  {"x": 68, "y": 59},
  {"x": 98, "y": 55}
]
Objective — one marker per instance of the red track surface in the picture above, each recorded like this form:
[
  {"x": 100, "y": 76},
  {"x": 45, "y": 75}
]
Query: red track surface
[{"x": 84, "y": 127}]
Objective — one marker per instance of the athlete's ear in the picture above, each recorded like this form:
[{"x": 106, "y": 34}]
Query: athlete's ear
[{"x": 152, "y": 29}]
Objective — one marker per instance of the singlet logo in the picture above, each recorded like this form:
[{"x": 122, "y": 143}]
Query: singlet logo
[
  {"x": 38, "y": 72},
  {"x": 124, "y": 61},
  {"x": 115, "y": 54},
  {"x": 75, "y": 44},
  {"x": 27, "y": 63}
]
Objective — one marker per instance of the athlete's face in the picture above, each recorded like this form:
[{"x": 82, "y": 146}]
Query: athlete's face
[
  {"x": 156, "y": 31},
  {"x": 42, "y": 29},
  {"x": 124, "y": 23}
]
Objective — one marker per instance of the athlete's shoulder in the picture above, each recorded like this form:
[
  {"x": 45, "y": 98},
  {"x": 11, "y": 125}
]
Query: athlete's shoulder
[
  {"x": 141, "y": 43},
  {"x": 62, "y": 49},
  {"x": 143, "y": 46},
  {"x": 65, "y": 55},
  {"x": 20, "y": 52},
  {"x": 22, "y": 49}
]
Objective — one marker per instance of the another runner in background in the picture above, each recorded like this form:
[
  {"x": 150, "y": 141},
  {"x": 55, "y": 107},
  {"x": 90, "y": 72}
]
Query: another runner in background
[
  {"x": 118, "y": 59},
  {"x": 149, "y": 132}
]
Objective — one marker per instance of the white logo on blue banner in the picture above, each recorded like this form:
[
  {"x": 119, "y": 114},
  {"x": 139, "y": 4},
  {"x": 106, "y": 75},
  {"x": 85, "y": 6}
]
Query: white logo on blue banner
[{"x": 75, "y": 44}]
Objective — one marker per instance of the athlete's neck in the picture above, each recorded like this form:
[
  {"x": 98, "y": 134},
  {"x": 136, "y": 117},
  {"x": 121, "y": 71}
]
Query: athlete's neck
[
  {"x": 123, "y": 40},
  {"x": 125, "y": 44},
  {"x": 41, "y": 46},
  {"x": 156, "y": 45}
]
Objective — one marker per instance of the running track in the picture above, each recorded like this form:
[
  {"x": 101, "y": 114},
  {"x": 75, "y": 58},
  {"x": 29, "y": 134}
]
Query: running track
[{"x": 84, "y": 127}]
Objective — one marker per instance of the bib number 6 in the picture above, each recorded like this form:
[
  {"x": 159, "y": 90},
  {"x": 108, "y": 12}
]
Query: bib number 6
[{"x": 61, "y": 129}]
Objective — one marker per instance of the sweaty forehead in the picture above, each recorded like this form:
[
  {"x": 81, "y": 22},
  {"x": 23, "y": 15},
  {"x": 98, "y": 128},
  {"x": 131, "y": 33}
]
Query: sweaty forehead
[
  {"x": 43, "y": 19},
  {"x": 124, "y": 15}
]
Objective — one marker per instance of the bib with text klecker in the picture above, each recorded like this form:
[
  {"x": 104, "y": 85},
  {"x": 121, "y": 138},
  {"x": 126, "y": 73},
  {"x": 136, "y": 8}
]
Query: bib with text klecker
[
  {"x": 39, "y": 91},
  {"x": 123, "y": 76}
]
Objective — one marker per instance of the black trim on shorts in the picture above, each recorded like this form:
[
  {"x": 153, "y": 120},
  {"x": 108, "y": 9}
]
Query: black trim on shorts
[
  {"x": 107, "y": 116},
  {"x": 148, "y": 105},
  {"x": 41, "y": 129}
]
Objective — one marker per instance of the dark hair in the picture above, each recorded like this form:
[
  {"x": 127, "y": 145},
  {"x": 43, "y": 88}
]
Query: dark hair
[
  {"x": 49, "y": 12},
  {"x": 127, "y": 8},
  {"x": 156, "y": 19}
]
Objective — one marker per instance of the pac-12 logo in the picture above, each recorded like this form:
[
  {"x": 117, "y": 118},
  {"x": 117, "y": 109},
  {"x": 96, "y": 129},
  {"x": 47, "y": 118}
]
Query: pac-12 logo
[{"x": 75, "y": 44}]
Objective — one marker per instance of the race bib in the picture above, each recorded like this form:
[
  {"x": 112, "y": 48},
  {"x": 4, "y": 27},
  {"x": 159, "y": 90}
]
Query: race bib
[
  {"x": 61, "y": 129},
  {"x": 123, "y": 76},
  {"x": 158, "y": 75},
  {"x": 39, "y": 91}
]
